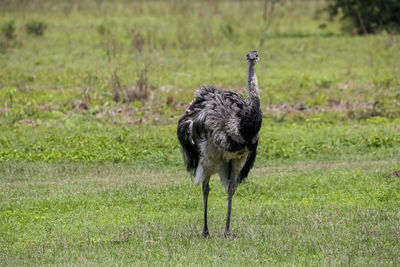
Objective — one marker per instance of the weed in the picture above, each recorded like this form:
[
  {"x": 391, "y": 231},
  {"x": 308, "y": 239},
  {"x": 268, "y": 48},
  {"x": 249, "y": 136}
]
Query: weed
[
  {"x": 138, "y": 42},
  {"x": 324, "y": 82},
  {"x": 8, "y": 36},
  {"x": 8, "y": 30},
  {"x": 116, "y": 87},
  {"x": 228, "y": 31},
  {"x": 9, "y": 94},
  {"x": 36, "y": 27},
  {"x": 102, "y": 29}
]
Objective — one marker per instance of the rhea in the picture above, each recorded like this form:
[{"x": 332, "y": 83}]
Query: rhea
[{"x": 219, "y": 134}]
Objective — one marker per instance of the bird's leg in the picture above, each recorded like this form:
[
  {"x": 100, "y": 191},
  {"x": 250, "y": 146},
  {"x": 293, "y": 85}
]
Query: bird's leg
[
  {"x": 231, "y": 191},
  {"x": 206, "y": 190}
]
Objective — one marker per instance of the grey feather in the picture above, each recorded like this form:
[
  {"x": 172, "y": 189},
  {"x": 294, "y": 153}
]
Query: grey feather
[{"x": 215, "y": 119}]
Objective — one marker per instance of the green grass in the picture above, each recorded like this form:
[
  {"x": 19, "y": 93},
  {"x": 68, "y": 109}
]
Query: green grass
[
  {"x": 89, "y": 180},
  {"x": 79, "y": 140},
  {"x": 302, "y": 213},
  {"x": 320, "y": 194}
]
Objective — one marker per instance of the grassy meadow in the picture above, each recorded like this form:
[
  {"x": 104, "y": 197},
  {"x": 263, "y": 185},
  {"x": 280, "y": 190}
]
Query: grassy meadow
[{"x": 91, "y": 171}]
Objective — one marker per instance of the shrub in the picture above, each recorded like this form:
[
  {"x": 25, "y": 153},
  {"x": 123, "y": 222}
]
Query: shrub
[
  {"x": 8, "y": 30},
  {"x": 366, "y": 16},
  {"x": 36, "y": 27},
  {"x": 8, "y": 38}
]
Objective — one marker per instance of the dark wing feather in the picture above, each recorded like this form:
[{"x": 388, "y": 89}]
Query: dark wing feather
[
  {"x": 192, "y": 129},
  {"x": 191, "y": 154},
  {"x": 249, "y": 163}
]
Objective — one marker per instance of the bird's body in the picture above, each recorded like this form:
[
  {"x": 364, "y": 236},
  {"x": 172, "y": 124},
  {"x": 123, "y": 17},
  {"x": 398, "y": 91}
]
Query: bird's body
[
  {"x": 219, "y": 134},
  {"x": 215, "y": 125}
]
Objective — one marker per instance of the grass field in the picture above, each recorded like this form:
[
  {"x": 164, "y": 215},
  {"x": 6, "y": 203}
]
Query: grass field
[
  {"x": 300, "y": 213},
  {"x": 91, "y": 171}
]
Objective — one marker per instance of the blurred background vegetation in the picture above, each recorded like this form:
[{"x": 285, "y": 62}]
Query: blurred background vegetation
[
  {"x": 367, "y": 16},
  {"x": 78, "y": 70},
  {"x": 135, "y": 62}
]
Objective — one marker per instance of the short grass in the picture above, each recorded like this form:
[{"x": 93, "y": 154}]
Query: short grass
[
  {"x": 293, "y": 213},
  {"x": 82, "y": 140}
]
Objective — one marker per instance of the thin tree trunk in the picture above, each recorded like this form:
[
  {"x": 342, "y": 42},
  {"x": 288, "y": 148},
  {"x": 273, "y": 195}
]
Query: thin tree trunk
[
  {"x": 267, "y": 13},
  {"x": 360, "y": 20}
]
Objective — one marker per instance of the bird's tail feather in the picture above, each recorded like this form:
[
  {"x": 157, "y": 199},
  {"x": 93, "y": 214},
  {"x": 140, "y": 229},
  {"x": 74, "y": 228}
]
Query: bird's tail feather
[
  {"x": 190, "y": 150},
  {"x": 249, "y": 163}
]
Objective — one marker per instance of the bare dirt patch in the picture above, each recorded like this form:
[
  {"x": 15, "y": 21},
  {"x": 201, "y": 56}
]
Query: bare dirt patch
[{"x": 333, "y": 106}]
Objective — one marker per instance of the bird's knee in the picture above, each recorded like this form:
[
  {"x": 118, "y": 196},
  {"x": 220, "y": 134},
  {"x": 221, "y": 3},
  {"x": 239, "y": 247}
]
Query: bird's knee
[
  {"x": 231, "y": 189},
  {"x": 206, "y": 188}
]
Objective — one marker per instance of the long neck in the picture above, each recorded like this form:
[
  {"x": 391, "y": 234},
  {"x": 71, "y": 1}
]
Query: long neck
[{"x": 253, "y": 95}]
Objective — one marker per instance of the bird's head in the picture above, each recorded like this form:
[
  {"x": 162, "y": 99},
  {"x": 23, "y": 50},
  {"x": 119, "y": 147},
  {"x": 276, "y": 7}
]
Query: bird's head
[{"x": 252, "y": 57}]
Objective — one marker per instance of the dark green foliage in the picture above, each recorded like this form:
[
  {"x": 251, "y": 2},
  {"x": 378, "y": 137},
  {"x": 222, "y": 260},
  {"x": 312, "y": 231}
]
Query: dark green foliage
[
  {"x": 8, "y": 30},
  {"x": 36, "y": 27},
  {"x": 367, "y": 16},
  {"x": 7, "y": 36}
]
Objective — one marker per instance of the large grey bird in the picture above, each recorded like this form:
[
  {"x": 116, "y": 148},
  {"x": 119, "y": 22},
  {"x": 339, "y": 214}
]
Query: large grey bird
[{"x": 219, "y": 133}]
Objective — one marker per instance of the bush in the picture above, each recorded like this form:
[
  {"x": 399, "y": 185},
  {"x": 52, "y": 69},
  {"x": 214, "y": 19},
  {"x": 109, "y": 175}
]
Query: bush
[
  {"x": 36, "y": 27},
  {"x": 367, "y": 16},
  {"x": 8, "y": 30},
  {"x": 8, "y": 37}
]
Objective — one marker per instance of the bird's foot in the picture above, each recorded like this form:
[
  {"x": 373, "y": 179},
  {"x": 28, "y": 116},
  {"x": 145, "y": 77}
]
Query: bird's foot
[
  {"x": 227, "y": 234},
  {"x": 231, "y": 235},
  {"x": 205, "y": 234}
]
